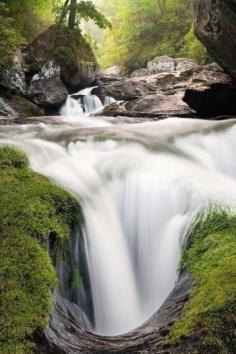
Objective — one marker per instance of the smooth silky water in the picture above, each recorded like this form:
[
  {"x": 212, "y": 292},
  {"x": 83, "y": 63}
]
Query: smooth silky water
[{"x": 140, "y": 187}]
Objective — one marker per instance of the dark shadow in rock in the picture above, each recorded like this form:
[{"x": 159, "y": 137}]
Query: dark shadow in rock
[{"x": 214, "y": 101}]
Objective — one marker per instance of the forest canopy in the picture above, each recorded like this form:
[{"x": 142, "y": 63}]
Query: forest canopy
[
  {"x": 135, "y": 30},
  {"x": 143, "y": 29}
]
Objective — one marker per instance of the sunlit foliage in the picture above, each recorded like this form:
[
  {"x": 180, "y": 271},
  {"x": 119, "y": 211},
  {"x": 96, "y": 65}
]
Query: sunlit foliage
[{"x": 143, "y": 29}]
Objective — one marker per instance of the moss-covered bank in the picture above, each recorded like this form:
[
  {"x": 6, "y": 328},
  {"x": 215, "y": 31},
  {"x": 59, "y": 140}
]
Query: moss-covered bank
[
  {"x": 210, "y": 314},
  {"x": 32, "y": 212}
]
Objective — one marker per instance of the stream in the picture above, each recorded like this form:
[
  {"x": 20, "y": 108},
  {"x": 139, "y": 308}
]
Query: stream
[{"x": 140, "y": 187}]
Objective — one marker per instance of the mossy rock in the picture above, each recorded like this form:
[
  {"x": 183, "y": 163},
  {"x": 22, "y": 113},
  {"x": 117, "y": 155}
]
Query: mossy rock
[
  {"x": 12, "y": 157},
  {"x": 69, "y": 49},
  {"x": 33, "y": 213},
  {"x": 21, "y": 105},
  {"x": 210, "y": 257}
]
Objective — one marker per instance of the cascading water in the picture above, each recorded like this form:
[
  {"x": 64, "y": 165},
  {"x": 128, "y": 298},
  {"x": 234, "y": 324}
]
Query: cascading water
[
  {"x": 140, "y": 189},
  {"x": 84, "y": 102}
]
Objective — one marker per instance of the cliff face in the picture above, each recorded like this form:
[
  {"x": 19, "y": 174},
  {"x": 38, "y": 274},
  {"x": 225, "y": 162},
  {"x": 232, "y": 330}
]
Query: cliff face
[{"x": 216, "y": 28}]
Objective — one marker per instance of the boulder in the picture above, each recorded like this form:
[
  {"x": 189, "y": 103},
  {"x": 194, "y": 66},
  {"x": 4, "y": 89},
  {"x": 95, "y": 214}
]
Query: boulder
[
  {"x": 140, "y": 72},
  {"x": 184, "y": 64},
  {"x": 170, "y": 103},
  {"x": 134, "y": 87},
  {"x": 6, "y": 109},
  {"x": 69, "y": 50},
  {"x": 15, "y": 105},
  {"x": 46, "y": 88},
  {"x": 211, "y": 92},
  {"x": 129, "y": 88},
  {"x": 161, "y": 64},
  {"x": 13, "y": 78},
  {"x": 165, "y": 64},
  {"x": 114, "y": 70},
  {"x": 216, "y": 28}
]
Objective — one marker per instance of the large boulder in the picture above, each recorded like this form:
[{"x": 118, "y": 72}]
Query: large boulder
[
  {"x": 161, "y": 64},
  {"x": 15, "y": 105},
  {"x": 13, "y": 77},
  {"x": 184, "y": 64},
  {"x": 6, "y": 109},
  {"x": 165, "y": 64},
  {"x": 216, "y": 29},
  {"x": 139, "y": 86},
  {"x": 160, "y": 103},
  {"x": 69, "y": 50},
  {"x": 46, "y": 88},
  {"x": 211, "y": 92}
]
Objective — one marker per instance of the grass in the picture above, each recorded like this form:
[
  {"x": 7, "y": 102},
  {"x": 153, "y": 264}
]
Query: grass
[
  {"x": 210, "y": 257},
  {"x": 33, "y": 214}
]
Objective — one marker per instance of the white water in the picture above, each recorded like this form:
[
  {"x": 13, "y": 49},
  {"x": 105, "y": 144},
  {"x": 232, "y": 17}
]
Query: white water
[
  {"x": 137, "y": 203},
  {"x": 84, "y": 102}
]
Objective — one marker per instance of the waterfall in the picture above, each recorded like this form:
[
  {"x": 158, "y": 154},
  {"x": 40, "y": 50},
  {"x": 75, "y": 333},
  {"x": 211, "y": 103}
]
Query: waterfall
[
  {"x": 84, "y": 102},
  {"x": 140, "y": 188}
]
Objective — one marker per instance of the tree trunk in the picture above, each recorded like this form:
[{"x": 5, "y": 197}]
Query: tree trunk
[{"x": 72, "y": 14}]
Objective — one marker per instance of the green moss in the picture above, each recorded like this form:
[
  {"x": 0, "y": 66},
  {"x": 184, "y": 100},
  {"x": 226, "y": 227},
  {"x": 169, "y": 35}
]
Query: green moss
[
  {"x": 210, "y": 256},
  {"x": 12, "y": 157},
  {"x": 33, "y": 213}
]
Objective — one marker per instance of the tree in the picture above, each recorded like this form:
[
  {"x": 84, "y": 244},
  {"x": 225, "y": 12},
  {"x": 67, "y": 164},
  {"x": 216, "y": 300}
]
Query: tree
[
  {"x": 143, "y": 29},
  {"x": 75, "y": 11}
]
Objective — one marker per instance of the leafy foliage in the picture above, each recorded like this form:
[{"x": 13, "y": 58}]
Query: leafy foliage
[
  {"x": 86, "y": 10},
  {"x": 192, "y": 48},
  {"x": 20, "y": 22},
  {"x": 33, "y": 212},
  {"x": 210, "y": 256},
  {"x": 9, "y": 37},
  {"x": 81, "y": 10},
  {"x": 143, "y": 29}
]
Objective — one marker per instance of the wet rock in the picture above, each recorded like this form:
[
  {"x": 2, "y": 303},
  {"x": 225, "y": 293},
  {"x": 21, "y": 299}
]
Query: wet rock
[
  {"x": 46, "y": 88},
  {"x": 13, "y": 78},
  {"x": 216, "y": 29},
  {"x": 66, "y": 333}
]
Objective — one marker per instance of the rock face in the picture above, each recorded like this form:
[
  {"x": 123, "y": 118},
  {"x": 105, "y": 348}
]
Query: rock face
[
  {"x": 165, "y": 64},
  {"x": 46, "y": 88},
  {"x": 146, "y": 92},
  {"x": 65, "y": 334},
  {"x": 211, "y": 92},
  {"x": 6, "y": 109},
  {"x": 161, "y": 64},
  {"x": 43, "y": 72},
  {"x": 171, "y": 102},
  {"x": 13, "y": 78},
  {"x": 178, "y": 88},
  {"x": 69, "y": 50},
  {"x": 216, "y": 29}
]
